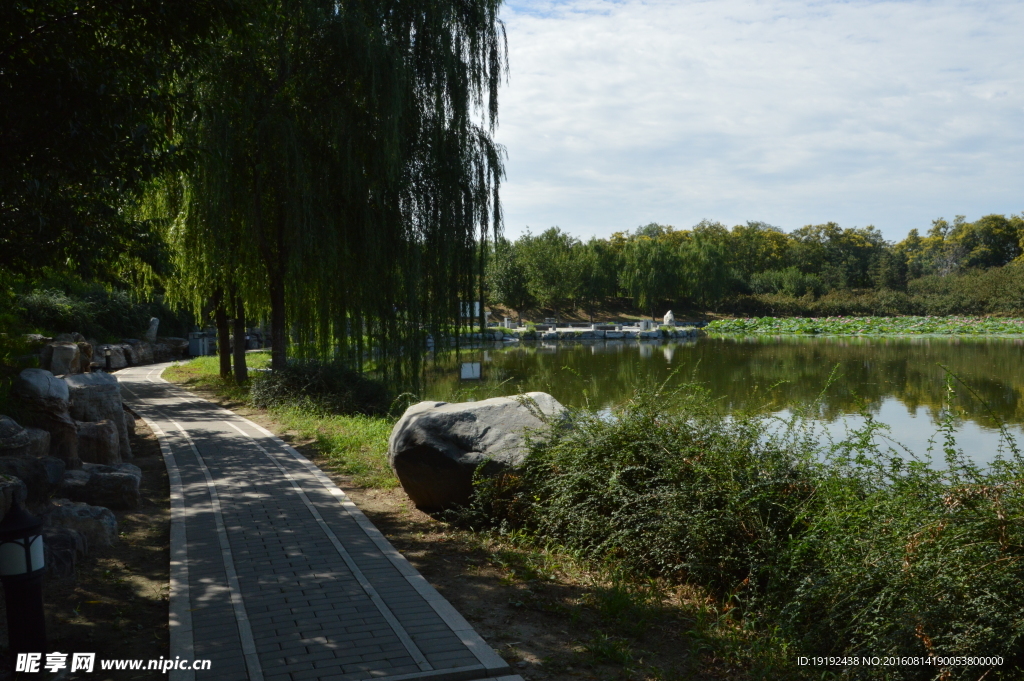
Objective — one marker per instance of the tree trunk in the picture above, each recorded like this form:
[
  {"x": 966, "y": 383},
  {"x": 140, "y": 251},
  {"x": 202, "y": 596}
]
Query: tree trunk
[
  {"x": 220, "y": 316},
  {"x": 278, "y": 333},
  {"x": 241, "y": 370}
]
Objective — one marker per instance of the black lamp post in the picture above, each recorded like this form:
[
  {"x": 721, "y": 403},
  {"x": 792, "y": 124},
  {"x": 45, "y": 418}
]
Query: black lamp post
[
  {"x": 21, "y": 572},
  {"x": 106, "y": 359}
]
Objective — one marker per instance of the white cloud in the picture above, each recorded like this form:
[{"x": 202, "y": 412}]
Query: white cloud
[{"x": 885, "y": 113}]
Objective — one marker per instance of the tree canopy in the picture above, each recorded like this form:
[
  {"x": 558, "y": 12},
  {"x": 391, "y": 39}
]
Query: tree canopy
[
  {"x": 87, "y": 102},
  {"x": 345, "y": 170}
]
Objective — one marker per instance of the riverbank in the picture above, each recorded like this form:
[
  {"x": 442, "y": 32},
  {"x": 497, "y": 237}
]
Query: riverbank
[
  {"x": 553, "y": 616},
  {"x": 693, "y": 543}
]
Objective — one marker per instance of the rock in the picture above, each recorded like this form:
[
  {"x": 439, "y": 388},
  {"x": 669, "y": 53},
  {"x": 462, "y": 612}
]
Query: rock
[
  {"x": 150, "y": 335},
  {"x": 40, "y": 442},
  {"x": 64, "y": 357},
  {"x": 13, "y": 438},
  {"x": 73, "y": 337},
  {"x": 55, "y": 470},
  {"x": 162, "y": 352},
  {"x": 117, "y": 359},
  {"x": 62, "y": 547},
  {"x": 32, "y": 472},
  {"x": 178, "y": 346},
  {"x": 436, "y": 446},
  {"x": 97, "y": 524},
  {"x": 97, "y": 397},
  {"x": 142, "y": 352},
  {"x": 113, "y": 486},
  {"x": 42, "y": 385},
  {"x": 11, "y": 488},
  {"x": 84, "y": 356},
  {"x": 45, "y": 402},
  {"x": 37, "y": 339},
  {"x": 98, "y": 442},
  {"x": 670, "y": 319},
  {"x": 129, "y": 422}
]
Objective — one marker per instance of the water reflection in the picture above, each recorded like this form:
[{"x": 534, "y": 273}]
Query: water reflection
[{"x": 899, "y": 381}]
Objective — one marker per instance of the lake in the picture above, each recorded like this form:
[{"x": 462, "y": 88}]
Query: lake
[{"x": 901, "y": 382}]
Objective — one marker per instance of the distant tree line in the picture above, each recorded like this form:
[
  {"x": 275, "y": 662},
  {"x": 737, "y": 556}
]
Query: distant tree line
[{"x": 958, "y": 267}]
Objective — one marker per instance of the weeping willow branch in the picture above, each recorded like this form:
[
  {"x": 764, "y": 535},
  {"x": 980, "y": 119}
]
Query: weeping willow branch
[{"x": 345, "y": 172}]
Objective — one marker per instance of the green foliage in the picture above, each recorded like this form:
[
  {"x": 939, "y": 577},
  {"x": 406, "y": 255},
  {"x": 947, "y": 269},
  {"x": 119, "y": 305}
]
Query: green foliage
[
  {"x": 650, "y": 271},
  {"x": 790, "y": 281},
  {"x": 88, "y": 94},
  {"x": 855, "y": 326},
  {"x": 340, "y": 140},
  {"x": 506, "y": 277},
  {"x": 845, "y": 550},
  {"x": 553, "y": 265},
  {"x": 101, "y": 314},
  {"x": 95, "y": 312},
  {"x": 331, "y": 388}
]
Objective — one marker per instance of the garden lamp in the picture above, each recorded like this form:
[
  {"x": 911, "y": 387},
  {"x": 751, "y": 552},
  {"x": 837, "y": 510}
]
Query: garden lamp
[
  {"x": 106, "y": 358},
  {"x": 21, "y": 572}
]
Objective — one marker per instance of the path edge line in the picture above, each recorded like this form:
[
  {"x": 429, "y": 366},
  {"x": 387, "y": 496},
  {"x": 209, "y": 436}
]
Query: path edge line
[
  {"x": 491, "y": 661},
  {"x": 179, "y": 599}
]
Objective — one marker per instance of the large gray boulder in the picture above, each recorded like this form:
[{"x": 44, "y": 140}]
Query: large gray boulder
[
  {"x": 97, "y": 397},
  {"x": 64, "y": 358},
  {"x": 62, "y": 547},
  {"x": 435, "y": 447},
  {"x": 140, "y": 352},
  {"x": 115, "y": 486},
  {"x": 30, "y": 470},
  {"x": 97, "y": 442},
  {"x": 17, "y": 440},
  {"x": 13, "y": 438},
  {"x": 117, "y": 359},
  {"x": 45, "y": 403},
  {"x": 97, "y": 524}
]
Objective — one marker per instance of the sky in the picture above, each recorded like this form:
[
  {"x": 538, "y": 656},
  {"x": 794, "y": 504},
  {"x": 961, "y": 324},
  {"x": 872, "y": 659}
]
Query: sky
[{"x": 621, "y": 113}]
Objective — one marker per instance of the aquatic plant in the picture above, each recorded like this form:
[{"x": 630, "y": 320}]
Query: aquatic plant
[{"x": 857, "y": 326}]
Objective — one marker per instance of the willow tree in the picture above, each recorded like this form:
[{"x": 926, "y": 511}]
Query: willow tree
[
  {"x": 650, "y": 272},
  {"x": 346, "y": 149}
]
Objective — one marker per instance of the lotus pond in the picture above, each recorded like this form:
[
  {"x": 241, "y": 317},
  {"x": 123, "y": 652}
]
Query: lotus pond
[
  {"x": 839, "y": 382},
  {"x": 871, "y": 326}
]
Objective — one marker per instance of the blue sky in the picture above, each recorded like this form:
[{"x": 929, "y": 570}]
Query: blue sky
[{"x": 617, "y": 114}]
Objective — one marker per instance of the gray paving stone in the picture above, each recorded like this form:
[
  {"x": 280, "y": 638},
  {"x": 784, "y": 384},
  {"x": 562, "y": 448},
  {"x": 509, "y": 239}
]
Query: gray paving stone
[{"x": 296, "y": 600}]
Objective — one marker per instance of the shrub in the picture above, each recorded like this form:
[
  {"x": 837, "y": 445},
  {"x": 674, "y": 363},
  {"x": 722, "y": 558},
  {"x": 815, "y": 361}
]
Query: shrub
[
  {"x": 98, "y": 313},
  {"x": 323, "y": 386},
  {"x": 843, "y": 551}
]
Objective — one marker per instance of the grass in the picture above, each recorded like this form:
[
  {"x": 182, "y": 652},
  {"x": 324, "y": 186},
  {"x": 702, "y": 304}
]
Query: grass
[
  {"x": 750, "y": 544},
  {"x": 870, "y": 326},
  {"x": 846, "y": 551},
  {"x": 353, "y": 444}
]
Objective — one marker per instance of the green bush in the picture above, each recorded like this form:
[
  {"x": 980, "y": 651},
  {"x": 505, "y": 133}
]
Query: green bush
[
  {"x": 330, "y": 388},
  {"x": 842, "y": 551},
  {"x": 790, "y": 281},
  {"x": 106, "y": 315}
]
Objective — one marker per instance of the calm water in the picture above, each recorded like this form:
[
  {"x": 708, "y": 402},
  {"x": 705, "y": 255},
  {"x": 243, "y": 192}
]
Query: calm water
[{"x": 898, "y": 381}]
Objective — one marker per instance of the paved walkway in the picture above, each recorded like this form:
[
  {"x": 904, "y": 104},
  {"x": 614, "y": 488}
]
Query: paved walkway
[{"x": 275, "y": 574}]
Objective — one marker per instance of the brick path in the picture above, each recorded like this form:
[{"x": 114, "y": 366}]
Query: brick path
[{"x": 275, "y": 574}]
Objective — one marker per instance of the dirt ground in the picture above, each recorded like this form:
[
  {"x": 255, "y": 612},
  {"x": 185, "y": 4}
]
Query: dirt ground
[{"x": 116, "y": 605}]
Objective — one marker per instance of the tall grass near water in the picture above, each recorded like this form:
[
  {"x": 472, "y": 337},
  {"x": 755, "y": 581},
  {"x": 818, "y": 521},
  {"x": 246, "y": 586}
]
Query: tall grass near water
[{"x": 848, "y": 550}]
